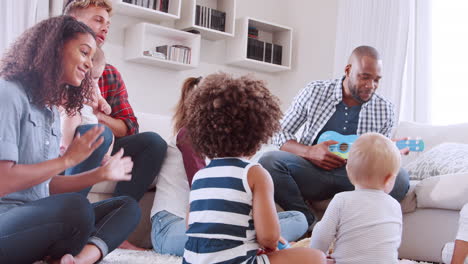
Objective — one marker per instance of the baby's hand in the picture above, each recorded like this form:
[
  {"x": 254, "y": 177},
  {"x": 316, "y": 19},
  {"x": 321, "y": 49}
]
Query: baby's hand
[
  {"x": 105, "y": 159},
  {"x": 105, "y": 107}
]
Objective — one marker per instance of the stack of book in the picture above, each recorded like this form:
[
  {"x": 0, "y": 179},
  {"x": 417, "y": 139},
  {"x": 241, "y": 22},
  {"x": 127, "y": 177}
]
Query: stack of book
[
  {"x": 178, "y": 53},
  {"x": 253, "y": 32},
  {"x": 159, "y": 5},
  {"x": 264, "y": 51},
  {"x": 210, "y": 18}
]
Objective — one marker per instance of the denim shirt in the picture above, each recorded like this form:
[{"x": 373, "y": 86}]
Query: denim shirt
[{"x": 28, "y": 135}]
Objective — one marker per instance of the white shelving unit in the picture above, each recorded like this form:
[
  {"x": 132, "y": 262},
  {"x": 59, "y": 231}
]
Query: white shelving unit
[
  {"x": 236, "y": 48},
  {"x": 187, "y": 20},
  {"x": 148, "y": 14},
  {"x": 144, "y": 36}
]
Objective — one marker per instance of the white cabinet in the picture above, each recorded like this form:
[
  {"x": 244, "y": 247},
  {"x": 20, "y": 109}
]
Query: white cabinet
[
  {"x": 237, "y": 47},
  {"x": 146, "y": 37},
  {"x": 148, "y": 14},
  {"x": 205, "y": 20}
]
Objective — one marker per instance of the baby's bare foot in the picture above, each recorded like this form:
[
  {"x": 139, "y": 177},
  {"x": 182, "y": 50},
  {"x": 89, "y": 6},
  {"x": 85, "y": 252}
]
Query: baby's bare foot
[{"x": 67, "y": 259}]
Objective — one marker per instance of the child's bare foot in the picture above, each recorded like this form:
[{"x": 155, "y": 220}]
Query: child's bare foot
[
  {"x": 128, "y": 245},
  {"x": 67, "y": 259}
]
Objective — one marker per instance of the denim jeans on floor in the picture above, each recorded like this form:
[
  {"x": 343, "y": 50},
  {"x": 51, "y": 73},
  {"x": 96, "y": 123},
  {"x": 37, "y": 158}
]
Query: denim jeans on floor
[
  {"x": 63, "y": 224},
  {"x": 94, "y": 160},
  {"x": 147, "y": 151},
  {"x": 296, "y": 179},
  {"x": 168, "y": 230}
]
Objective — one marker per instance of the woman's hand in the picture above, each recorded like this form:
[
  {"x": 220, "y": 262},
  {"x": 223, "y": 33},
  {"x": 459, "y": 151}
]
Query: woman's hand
[
  {"x": 117, "y": 168},
  {"x": 82, "y": 146}
]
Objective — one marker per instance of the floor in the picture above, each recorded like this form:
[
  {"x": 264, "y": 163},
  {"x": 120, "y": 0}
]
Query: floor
[{"x": 122, "y": 256}]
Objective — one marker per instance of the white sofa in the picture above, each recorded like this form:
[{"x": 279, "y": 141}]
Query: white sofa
[
  {"x": 431, "y": 207},
  {"x": 427, "y": 223}
]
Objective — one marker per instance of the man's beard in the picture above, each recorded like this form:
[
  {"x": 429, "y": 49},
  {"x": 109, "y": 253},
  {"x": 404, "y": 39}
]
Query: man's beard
[{"x": 354, "y": 93}]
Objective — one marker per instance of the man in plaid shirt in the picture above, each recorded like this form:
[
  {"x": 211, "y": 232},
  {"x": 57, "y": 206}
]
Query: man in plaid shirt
[
  {"x": 148, "y": 149},
  {"x": 304, "y": 170}
]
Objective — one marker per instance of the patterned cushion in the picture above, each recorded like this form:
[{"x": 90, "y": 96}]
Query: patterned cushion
[{"x": 446, "y": 158}]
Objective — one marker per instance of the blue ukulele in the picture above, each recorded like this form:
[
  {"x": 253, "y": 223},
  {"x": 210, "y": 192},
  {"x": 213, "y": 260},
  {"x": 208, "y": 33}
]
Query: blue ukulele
[{"x": 342, "y": 148}]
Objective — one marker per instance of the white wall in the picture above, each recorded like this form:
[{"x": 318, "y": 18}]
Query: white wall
[{"x": 156, "y": 90}]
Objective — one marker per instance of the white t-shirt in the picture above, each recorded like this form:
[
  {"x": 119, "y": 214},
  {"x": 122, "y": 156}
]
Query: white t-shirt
[
  {"x": 87, "y": 116},
  {"x": 172, "y": 188},
  {"x": 87, "y": 113},
  {"x": 366, "y": 224}
]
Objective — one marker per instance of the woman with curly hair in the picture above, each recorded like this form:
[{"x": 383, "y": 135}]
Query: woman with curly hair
[
  {"x": 48, "y": 67},
  {"x": 232, "y": 211}
]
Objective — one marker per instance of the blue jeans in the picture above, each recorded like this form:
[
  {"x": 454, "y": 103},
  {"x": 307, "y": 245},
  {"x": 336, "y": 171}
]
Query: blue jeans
[
  {"x": 168, "y": 230},
  {"x": 296, "y": 179},
  {"x": 94, "y": 160},
  {"x": 147, "y": 151},
  {"x": 63, "y": 224}
]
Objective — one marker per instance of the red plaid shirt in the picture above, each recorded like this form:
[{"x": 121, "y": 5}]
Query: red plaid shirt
[{"x": 114, "y": 91}]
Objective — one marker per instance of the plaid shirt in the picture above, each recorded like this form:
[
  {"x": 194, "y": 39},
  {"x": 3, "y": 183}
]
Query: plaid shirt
[
  {"x": 316, "y": 104},
  {"x": 114, "y": 91}
]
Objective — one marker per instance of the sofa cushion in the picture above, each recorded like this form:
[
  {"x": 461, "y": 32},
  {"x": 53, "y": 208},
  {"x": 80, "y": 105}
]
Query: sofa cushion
[
  {"x": 447, "y": 158},
  {"x": 409, "y": 204},
  {"x": 431, "y": 134},
  {"x": 161, "y": 124},
  {"x": 443, "y": 192}
]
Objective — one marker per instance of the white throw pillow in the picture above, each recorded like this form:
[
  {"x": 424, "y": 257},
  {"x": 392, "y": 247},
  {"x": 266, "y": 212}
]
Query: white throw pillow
[
  {"x": 443, "y": 192},
  {"x": 446, "y": 158}
]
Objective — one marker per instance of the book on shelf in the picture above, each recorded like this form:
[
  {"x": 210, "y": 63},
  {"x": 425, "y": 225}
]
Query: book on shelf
[
  {"x": 277, "y": 54},
  {"x": 252, "y": 32},
  {"x": 210, "y": 18},
  {"x": 264, "y": 51},
  {"x": 162, "y": 49},
  {"x": 154, "y": 54},
  {"x": 159, "y": 5},
  {"x": 177, "y": 53},
  {"x": 255, "y": 49},
  {"x": 268, "y": 52},
  {"x": 197, "y": 15},
  {"x": 164, "y": 6}
]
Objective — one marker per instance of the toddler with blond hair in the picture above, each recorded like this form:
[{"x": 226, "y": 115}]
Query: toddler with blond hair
[{"x": 366, "y": 223}]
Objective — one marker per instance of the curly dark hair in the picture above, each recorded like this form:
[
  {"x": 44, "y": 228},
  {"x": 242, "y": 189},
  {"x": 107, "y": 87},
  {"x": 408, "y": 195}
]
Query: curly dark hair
[
  {"x": 35, "y": 60},
  {"x": 230, "y": 117}
]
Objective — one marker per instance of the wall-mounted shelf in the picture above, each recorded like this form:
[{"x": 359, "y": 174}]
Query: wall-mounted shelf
[
  {"x": 236, "y": 48},
  {"x": 143, "y": 36},
  {"x": 148, "y": 14},
  {"x": 188, "y": 18}
]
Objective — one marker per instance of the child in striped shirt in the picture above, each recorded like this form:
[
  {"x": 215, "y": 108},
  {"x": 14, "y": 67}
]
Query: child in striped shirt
[{"x": 232, "y": 211}]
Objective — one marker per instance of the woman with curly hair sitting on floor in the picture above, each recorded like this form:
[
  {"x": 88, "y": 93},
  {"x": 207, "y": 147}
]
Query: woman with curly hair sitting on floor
[{"x": 48, "y": 67}]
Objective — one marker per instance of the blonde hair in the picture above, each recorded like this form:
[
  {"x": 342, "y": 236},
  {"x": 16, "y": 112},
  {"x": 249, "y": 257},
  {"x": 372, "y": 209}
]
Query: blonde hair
[
  {"x": 71, "y": 6},
  {"x": 372, "y": 157}
]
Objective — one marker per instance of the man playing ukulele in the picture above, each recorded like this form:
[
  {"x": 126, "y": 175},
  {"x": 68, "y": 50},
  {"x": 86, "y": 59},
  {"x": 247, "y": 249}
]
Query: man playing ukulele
[{"x": 304, "y": 170}]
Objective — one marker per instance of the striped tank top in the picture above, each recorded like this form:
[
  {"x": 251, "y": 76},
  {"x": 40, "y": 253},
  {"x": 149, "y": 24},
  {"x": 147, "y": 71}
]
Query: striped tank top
[{"x": 221, "y": 227}]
